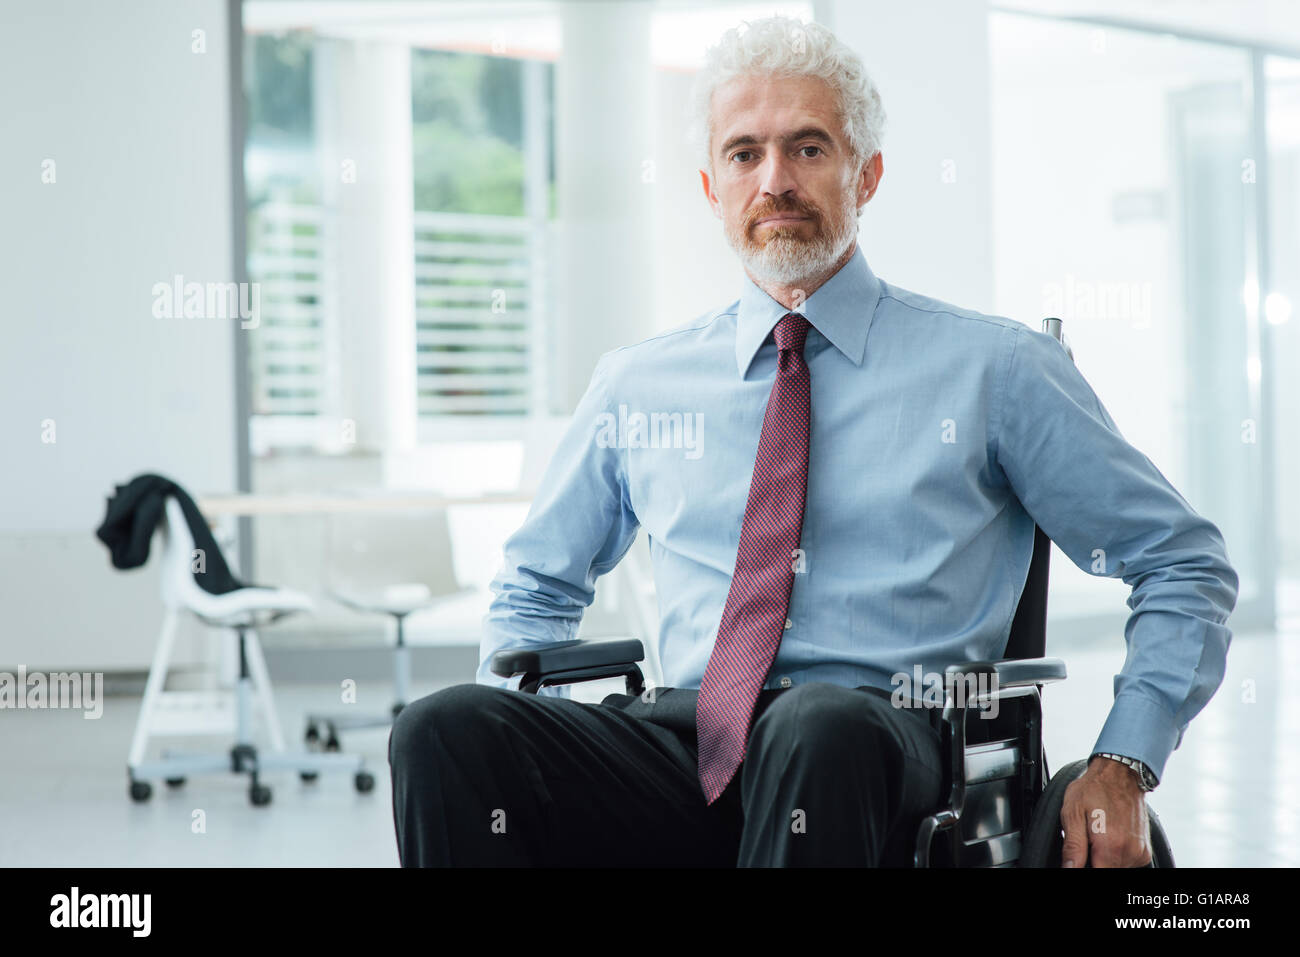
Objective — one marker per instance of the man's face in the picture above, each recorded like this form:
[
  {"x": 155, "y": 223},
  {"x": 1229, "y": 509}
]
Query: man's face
[{"x": 785, "y": 185}]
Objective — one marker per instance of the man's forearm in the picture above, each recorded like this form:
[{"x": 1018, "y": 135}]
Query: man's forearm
[
  {"x": 1178, "y": 625},
  {"x": 579, "y": 527},
  {"x": 517, "y": 618}
]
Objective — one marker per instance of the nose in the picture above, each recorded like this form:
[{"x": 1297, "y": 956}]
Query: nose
[{"x": 776, "y": 175}]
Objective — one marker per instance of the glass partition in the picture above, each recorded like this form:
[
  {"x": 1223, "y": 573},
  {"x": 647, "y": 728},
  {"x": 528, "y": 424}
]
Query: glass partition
[{"x": 1125, "y": 184}]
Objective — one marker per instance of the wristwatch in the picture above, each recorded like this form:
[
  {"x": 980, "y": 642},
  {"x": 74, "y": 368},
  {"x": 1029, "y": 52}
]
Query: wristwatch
[{"x": 1147, "y": 780}]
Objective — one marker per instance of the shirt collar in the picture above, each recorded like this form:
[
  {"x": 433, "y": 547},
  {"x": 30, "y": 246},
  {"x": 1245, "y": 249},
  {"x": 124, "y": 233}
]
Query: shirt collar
[{"x": 841, "y": 310}]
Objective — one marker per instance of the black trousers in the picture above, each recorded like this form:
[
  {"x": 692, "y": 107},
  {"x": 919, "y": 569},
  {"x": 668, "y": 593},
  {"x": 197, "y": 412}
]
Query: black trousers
[{"x": 832, "y": 776}]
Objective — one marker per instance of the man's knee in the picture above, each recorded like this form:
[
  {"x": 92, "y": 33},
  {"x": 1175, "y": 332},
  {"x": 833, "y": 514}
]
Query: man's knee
[
  {"x": 432, "y": 750},
  {"x": 817, "y": 717},
  {"x": 445, "y": 715}
]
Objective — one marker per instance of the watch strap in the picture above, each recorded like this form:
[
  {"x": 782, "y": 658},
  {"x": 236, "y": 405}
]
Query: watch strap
[{"x": 1147, "y": 780}]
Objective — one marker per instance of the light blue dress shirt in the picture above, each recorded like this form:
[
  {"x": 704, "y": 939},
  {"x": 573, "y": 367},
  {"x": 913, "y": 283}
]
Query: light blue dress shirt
[{"x": 939, "y": 436}]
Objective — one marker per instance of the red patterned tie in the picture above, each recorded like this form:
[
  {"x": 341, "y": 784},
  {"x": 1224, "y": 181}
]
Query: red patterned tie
[{"x": 755, "y": 615}]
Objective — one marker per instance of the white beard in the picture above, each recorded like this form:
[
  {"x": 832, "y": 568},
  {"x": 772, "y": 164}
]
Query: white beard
[{"x": 789, "y": 260}]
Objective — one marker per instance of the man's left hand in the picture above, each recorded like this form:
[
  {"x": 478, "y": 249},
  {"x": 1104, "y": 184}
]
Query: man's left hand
[{"x": 1105, "y": 816}]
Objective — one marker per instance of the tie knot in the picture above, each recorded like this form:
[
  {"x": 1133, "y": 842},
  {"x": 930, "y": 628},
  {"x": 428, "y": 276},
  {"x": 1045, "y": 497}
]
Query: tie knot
[{"x": 790, "y": 332}]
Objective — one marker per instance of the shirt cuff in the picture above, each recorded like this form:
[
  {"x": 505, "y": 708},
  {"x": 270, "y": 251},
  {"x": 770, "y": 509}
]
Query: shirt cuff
[{"x": 1139, "y": 728}]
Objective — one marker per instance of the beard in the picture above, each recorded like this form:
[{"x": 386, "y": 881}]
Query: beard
[{"x": 785, "y": 254}]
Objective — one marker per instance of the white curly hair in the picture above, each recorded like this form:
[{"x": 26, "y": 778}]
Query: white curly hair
[{"x": 785, "y": 46}]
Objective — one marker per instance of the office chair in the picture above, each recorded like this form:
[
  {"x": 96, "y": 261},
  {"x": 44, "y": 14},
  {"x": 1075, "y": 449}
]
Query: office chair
[
  {"x": 168, "y": 713},
  {"x": 393, "y": 565},
  {"x": 1003, "y": 808}
]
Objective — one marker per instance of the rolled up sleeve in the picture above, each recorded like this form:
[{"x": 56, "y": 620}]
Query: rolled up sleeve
[
  {"x": 579, "y": 526},
  {"x": 1108, "y": 507}
]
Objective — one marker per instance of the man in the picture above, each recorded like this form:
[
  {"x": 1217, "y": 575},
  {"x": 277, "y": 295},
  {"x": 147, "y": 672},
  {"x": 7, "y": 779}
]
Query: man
[{"x": 858, "y": 498}]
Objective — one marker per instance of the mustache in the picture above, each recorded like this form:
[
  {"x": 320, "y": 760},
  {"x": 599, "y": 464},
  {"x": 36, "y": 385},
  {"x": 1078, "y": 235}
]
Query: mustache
[{"x": 809, "y": 212}]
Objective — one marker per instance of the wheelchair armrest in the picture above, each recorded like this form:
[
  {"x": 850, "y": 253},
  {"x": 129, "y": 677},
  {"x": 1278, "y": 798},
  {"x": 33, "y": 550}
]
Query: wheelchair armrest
[
  {"x": 1011, "y": 672},
  {"x": 566, "y": 662}
]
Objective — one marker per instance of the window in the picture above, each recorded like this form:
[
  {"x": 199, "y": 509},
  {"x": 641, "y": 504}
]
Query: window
[
  {"x": 341, "y": 360},
  {"x": 1126, "y": 201}
]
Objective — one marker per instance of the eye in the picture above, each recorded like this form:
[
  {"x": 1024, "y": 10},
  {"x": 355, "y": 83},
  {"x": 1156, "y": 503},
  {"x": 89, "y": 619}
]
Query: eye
[
  {"x": 739, "y": 154},
  {"x": 810, "y": 147}
]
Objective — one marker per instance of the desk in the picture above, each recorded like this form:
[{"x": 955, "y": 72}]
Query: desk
[
  {"x": 631, "y": 577},
  {"x": 223, "y": 511},
  {"x": 218, "y": 506}
]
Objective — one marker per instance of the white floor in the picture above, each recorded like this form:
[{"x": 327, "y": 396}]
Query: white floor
[
  {"x": 1230, "y": 796},
  {"x": 65, "y": 798}
]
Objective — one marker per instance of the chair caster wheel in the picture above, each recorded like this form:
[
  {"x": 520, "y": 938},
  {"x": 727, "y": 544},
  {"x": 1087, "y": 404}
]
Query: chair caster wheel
[
  {"x": 365, "y": 781},
  {"x": 332, "y": 744},
  {"x": 312, "y": 737},
  {"x": 175, "y": 782},
  {"x": 308, "y": 776},
  {"x": 259, "y": 795},
  {"x": 140, "y": 791},
  {"x": 243, "y": 757}
]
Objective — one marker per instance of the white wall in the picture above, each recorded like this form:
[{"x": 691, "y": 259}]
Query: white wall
[
  {"x": 138, "y": 128},
  {"x": 928, "y": 228},
  {"x": 603, "y": 250},
  {"x": 695, "y": 270}
]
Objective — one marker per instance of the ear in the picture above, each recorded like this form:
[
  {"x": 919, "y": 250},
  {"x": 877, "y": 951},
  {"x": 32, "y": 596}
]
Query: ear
[
  {"x": 714, "y": 203},
  {"x": 872, "y": 171}
]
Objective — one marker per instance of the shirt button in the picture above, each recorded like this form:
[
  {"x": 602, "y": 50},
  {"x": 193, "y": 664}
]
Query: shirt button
[
  {"x": 786, "y": 682},
  {"x": 789, "y": 624}
]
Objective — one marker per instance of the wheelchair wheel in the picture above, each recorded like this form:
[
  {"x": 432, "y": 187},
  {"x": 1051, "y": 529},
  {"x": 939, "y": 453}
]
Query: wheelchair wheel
[{"x": 1044, "y": 840}]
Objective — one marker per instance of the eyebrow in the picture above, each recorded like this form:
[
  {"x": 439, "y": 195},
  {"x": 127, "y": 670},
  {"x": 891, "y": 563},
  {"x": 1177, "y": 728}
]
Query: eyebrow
[{"x": 749, "y": 139}]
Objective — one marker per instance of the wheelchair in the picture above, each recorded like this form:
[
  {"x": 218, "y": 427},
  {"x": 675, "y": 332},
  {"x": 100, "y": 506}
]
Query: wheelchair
[{"x": 1003, "y": 807}]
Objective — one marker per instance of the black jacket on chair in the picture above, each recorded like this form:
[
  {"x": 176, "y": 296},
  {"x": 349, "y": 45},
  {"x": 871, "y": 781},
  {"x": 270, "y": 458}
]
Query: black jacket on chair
[{"x": 133, "y": 514}]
